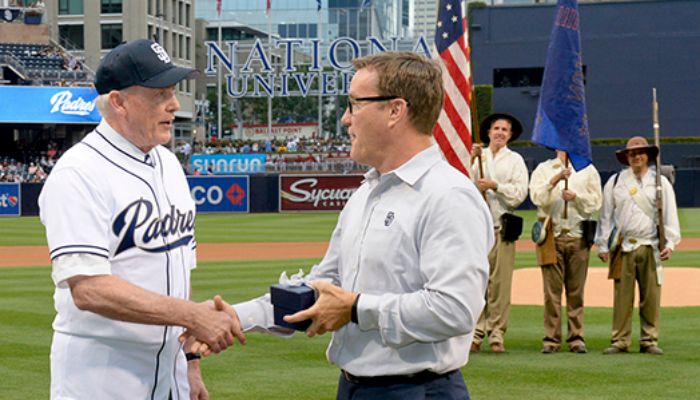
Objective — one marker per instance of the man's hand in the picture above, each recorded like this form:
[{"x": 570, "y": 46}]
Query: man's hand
[
  {"x": 485, "y": 184},
  {"x": 217, "y": 325},
  {"x": 568, "y": 195},
  {"x": 476, "y": 150},
  {"x": 198, "y": 391},
  {"x": 330, "y": 312},
  {"x": 604, "y": 257},
  {"x": 563, "y": 174},
  {"x": 217, "y": 305},
  {"x": 665, "y": 253}
]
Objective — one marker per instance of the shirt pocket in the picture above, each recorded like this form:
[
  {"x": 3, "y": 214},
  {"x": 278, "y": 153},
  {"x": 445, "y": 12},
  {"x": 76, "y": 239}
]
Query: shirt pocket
[{"x": 387, "y": 252}]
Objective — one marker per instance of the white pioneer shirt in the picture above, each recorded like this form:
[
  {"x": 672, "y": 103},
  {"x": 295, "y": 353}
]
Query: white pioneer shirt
[
  {"x": 509, "y": 171},
  {"x": 636, "y": 226}
]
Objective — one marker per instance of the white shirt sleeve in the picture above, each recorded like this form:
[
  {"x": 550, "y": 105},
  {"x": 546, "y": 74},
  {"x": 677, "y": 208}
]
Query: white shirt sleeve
[
  {"x": 77, "y": 222},
  {"x": 513, "y": 190},
  {"x": 606, "y": 221},
  {"x": 257, "y": 315},
  {"x": 70, "y": 265},
  {"x": 542, "y": 193},
  {"x": 672, "y": 227}
]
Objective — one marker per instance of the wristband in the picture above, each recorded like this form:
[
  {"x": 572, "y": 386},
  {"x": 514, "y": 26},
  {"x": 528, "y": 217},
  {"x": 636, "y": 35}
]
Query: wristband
[
  {"x": 193, "y": 356},
  {"x": 353, "y": 310}
]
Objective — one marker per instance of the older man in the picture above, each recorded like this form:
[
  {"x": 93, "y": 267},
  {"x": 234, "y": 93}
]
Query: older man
[
  {"x": 120, "y": 227},
  {"x": 629, "y": 207}
]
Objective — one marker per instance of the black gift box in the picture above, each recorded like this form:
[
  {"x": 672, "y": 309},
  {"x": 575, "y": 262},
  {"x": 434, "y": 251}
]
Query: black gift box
[{"x": 289, "y": 300}]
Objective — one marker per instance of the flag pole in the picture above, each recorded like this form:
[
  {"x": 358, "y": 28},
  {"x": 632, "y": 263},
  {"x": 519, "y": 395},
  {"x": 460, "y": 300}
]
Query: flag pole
[
  {"x": 476, "y": 134},
  {"x": 320, "y": 91},
  {"x": 565, "y": 214},
  {"x": 219, "y": 130},
  {"x": 269, "y": 51}
]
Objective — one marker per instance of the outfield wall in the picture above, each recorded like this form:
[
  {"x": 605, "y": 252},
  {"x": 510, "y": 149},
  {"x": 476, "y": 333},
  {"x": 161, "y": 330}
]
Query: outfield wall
[
  {"x": 262, "y": 192},
  {"x": 628, "y": 48}
]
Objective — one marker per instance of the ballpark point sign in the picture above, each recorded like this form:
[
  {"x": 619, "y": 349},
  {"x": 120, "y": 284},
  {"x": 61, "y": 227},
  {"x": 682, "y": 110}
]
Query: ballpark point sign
[{"x": 242, "y": 80}]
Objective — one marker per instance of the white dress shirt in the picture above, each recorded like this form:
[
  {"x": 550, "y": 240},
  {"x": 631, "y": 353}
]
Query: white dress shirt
[
  {"x": 547, "y": 198},
  {"x": 509, "y": 171},
  {"x": 635, "y": 225},
  {"x": 414, "y": 243}
]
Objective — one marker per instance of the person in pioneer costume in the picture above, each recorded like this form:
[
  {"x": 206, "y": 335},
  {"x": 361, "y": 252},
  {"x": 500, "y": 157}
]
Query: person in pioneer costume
[
  {"x": 502, "y": 177},
  {"x": 628, "y": 224}
]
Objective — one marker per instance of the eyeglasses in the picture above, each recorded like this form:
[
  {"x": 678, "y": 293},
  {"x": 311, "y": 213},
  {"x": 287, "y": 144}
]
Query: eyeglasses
[{"x": 374, "y": 99}]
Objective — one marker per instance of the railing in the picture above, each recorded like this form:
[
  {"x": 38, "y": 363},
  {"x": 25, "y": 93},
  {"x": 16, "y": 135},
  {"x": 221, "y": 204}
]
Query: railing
[
  {"x": 15, "y": 64},
  {"x": 58, "y": 76},
  {"x": 74, "y": 47},
  {"x": 334, "y": 166}
]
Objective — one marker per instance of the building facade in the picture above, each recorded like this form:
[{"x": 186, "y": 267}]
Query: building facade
[{"x": 90, "y": 29}]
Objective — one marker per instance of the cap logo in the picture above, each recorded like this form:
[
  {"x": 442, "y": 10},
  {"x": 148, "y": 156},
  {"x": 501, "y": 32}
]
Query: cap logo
[{"x": 160, "y": 52}]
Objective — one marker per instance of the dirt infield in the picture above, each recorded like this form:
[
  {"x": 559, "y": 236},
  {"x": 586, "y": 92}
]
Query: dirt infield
[{"x": 681, "y": 285}]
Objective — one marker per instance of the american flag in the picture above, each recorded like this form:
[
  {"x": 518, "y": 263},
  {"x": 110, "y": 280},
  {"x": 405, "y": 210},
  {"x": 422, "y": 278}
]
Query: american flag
[
  {"x": 453, "y": 129},
  {"x": 218, "y": 7},
  {"x": 267, "y": 10}
]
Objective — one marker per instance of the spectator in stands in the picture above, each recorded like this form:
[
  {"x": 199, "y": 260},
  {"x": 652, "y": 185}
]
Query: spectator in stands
[{"x": 72, "y": 63}]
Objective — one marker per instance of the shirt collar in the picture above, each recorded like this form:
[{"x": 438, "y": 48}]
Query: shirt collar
[
  {"x": 504, "y": 151},
  {"x": 123, "y": 145},
  {"x": 413, "y": 169}
]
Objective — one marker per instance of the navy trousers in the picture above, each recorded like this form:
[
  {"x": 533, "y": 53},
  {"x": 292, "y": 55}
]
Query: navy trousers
[{"x": 447, "y": 387}]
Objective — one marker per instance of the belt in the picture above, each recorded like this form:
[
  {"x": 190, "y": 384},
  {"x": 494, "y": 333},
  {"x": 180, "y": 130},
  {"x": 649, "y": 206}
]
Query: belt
[{"x": 421, "y": 377}]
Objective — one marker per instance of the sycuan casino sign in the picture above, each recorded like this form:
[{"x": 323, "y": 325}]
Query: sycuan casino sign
[
  {"x": 317, "y": 192},
  {"x": 243, "y": 81}
]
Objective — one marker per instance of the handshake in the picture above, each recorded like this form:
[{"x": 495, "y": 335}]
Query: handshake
[
  {"x": 212, "y": 327},
  {"x": 217, "y": 323}
]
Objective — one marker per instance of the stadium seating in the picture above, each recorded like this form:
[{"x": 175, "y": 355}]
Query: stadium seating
[{"x": 42, "y": 64}]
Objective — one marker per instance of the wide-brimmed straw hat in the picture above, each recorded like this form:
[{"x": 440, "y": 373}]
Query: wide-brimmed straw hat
[
  {"x": 637, "y": 143},
  {"x": 515, "y": 125}
]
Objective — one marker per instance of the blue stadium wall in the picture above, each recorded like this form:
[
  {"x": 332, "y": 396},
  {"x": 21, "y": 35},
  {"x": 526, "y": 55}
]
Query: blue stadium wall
[
  {"x": 628, "y": 48},
  {"x": 264, "y": 192}
]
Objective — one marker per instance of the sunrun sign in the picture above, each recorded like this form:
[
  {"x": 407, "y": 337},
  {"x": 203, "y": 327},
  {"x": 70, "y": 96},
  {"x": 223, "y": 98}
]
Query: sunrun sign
[{"x": 257, "y": 78}]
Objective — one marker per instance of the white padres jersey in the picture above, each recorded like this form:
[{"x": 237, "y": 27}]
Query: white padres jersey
[{"x": 108, "y": 199}]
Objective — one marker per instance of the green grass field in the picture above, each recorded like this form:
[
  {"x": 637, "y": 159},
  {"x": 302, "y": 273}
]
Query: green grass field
[{"x": 296, "y": 368}]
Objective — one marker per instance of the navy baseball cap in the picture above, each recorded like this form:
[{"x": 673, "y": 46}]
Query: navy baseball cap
[{"x": 140, "y": 62}]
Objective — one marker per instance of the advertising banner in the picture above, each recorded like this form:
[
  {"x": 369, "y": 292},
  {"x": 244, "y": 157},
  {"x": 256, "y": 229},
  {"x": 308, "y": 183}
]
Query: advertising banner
[
  {"x": 44, "y": 104},
  {"x": 279, "y": 131},
  {"x": 316, "y": 192},
  {"x": 10, "y": 200},
  {"x": 227, "y": 164},
  {"x": 220, "y": 193}
]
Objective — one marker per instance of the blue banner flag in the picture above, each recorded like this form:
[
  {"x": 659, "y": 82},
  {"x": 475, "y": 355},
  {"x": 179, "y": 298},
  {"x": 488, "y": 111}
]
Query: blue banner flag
[{"x": 562, "y": 122}]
